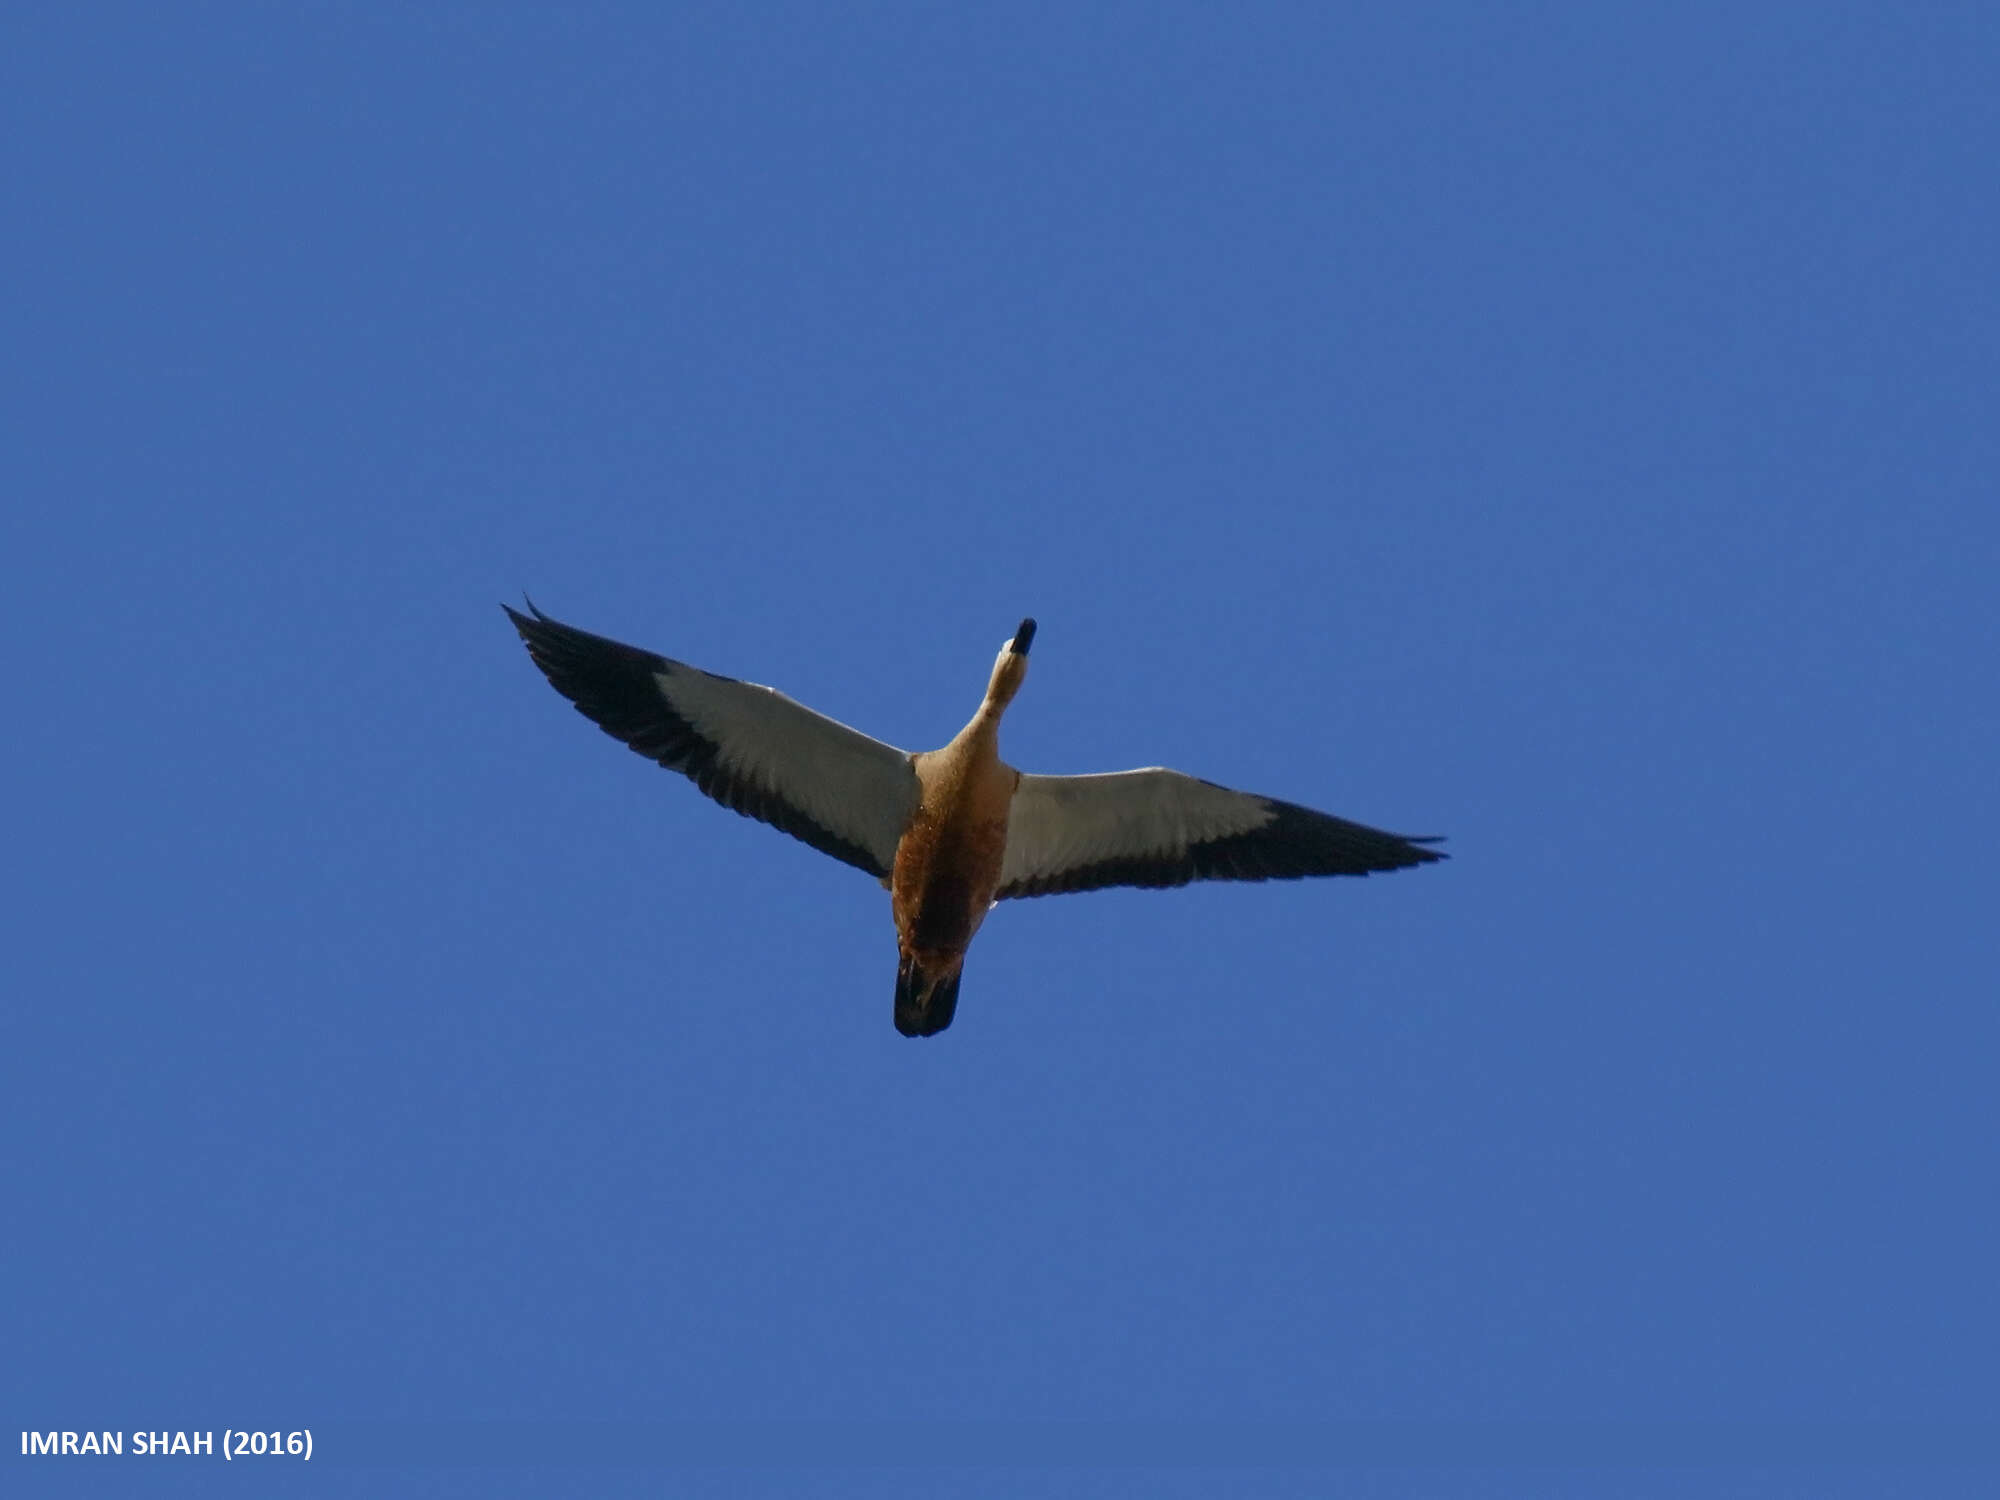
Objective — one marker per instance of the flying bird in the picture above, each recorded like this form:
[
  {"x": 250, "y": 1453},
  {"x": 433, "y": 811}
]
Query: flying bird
[{"x": 950, "y": 832}]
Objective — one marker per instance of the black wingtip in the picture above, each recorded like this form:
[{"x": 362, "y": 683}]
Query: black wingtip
[
  {"x": 1024, "y": 637},
  {"x": 520, "y": 620}
]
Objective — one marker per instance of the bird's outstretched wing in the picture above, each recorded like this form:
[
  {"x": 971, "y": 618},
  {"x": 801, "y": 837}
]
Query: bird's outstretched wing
[
  {"x": 1159, "y": 828},
  {"x": 750, "y": 748}
]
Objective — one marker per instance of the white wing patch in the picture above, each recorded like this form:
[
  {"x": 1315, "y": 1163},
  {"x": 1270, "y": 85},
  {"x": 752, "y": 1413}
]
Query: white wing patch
[
  {"x": 1061, "y": 823},
  {"x": 854, "y": 786}
]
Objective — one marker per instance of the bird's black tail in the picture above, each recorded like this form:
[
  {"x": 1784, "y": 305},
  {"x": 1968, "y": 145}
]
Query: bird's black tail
[{"x": 924, "y": 1003}]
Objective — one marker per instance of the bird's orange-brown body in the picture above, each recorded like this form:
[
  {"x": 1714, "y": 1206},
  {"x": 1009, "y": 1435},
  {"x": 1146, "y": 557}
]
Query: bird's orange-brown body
[{"x": 948, "y": 861}]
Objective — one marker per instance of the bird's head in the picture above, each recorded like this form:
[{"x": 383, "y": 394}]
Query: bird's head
[{"x": 1010, "y": 667}]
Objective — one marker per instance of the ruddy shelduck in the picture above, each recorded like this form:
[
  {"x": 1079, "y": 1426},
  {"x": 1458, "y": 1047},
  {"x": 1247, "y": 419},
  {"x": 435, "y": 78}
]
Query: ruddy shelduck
[{"x": 950, "y": 832}]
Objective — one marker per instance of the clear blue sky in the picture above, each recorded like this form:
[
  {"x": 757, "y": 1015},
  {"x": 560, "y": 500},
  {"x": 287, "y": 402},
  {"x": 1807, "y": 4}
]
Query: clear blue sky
[{"x": 1572, "y": 433}]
